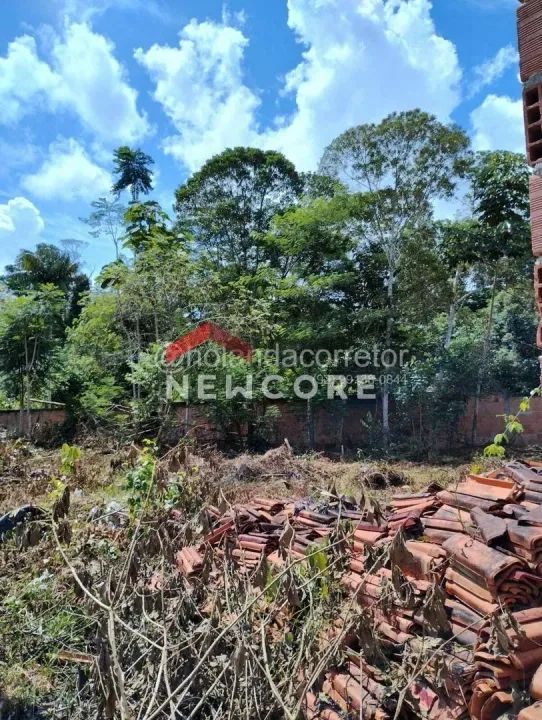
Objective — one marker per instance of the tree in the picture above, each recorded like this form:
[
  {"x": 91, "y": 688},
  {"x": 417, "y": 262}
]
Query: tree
[
  {"x": 47, "y": 264},
  {"x": 310, "y": 238},
  {"x": 500, "y": 192},
  {"x": 132, "y": 168},
  {"x": 513, "y": 366},
  {"x": 401, "y": 166},
  {"x": 229, "y": 204},
  {"x": 28, "y": 338},
  {"x": 500, "y": 189},
  {"x": 97, "y": 360},
  {"x": 106, "y": 220},
  {"x": 146, "y": 224},
  {"x": 458, "y": 250}
]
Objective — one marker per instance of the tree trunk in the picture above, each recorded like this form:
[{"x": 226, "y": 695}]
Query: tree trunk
[
  {"x": 343, "y": 410},
  {"x": 452, "y": 311},
  {"x": 21, "y": 404},
  {"x": 27, "y": 389},
  {"x": 385, "y": 387},
  {"x": 156, "y": 331},
  {"x": 138, "y": 352},
  {"x": 483, "y": 360}
]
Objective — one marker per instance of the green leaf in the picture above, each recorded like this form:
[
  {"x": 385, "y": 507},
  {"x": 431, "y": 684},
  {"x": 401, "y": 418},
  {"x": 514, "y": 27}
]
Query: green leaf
[
  {"x": 318, "y": 560},
  {"x": 514, "y": 426},
  {"x": 524, "y": 405},
  {"x": 493, "y": 450}
]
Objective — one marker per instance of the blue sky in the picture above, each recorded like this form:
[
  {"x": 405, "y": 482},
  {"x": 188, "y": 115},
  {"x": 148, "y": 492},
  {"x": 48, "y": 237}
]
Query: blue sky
[{"x": 183, "y": 79}]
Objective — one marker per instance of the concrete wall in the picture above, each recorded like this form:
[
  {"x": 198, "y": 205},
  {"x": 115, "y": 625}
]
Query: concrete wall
[{"x": 10, "y": 420}]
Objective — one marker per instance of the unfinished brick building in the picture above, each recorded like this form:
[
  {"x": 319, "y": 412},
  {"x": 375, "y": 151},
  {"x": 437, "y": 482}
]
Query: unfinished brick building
[{"x": 529, "y": 22}]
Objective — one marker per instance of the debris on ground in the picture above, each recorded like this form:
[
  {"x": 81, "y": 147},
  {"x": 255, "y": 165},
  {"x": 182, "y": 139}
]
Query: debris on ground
[
  {"x": 457, "y": 570},
  {"x": 260, "y": 587}
]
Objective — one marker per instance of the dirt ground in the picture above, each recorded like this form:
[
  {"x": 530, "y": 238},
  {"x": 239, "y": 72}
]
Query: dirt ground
[
  {"x": 29, "y": 474},
  {"x": 42, "y": 613}
]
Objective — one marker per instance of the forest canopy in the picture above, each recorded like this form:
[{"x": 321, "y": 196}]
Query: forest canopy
[{"x": 353, "y": 255}]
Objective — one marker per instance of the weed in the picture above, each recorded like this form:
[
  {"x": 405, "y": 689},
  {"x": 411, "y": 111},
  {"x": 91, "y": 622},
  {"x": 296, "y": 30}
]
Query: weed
[{"x": 70, "y": 456}]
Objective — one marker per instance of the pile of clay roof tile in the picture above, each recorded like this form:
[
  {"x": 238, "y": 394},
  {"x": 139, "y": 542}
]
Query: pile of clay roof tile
[{"x": 478, "y": 544}]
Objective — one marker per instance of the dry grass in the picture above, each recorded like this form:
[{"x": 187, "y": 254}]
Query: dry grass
[
  {"x": 57, "y": 597},
  {"x": 27, "y": 475}
]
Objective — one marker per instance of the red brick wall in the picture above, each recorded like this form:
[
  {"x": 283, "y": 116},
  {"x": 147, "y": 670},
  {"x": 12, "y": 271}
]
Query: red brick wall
[
  {"x": 333, "y": 424},
  {"x": 491, "y": 422},
  {"x": 10, "y": 420},
  {"x": 193, "y": 421},
  {"x": 336, "y": 424}
]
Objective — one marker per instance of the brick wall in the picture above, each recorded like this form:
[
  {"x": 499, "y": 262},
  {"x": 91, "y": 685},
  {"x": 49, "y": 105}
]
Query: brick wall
[
  {"x": 491, "y": 422},
  {"x": 337, "y": 424},
  {"x": 10, "y": 420},
  {"x": 333, "y": 424}
]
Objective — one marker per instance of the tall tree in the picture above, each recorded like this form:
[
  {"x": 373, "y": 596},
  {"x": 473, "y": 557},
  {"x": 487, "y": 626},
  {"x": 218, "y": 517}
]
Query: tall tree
[
  {"x": 106, "y": 220},
  {"x": 500, "y": 193},
  {"x": 458, "y": 249},
  {"x": 132, "y": 168},
  {"x": 230, "y": 202},
  {"x": 402, "y": 165},
  {"x": 48, "y": 264},
  {"x": 146, "y": 224},
  {"x": 500, "y": 189},
  {"x": 28, "y": 337}
]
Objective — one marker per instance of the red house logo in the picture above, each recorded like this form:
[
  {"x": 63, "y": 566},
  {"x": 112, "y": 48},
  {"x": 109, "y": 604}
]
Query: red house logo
[{"x": 207, "y": 331}]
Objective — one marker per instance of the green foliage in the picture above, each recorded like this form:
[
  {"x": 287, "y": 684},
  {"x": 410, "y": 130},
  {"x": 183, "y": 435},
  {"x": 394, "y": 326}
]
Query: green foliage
[
  {"x": 94, "y": 383},
  {"x": 40, "y": 616},
  {"x": 70, "y": 456},
  {"x": 152, "y": 487},
  {"x": 145, "y": 226},
  {"x": 512, "y": 426},
  {"x": 140, "y": 482},
  {"x": 350, "y": 257},
  {"x": 48, "y": 265},
  {"x": 30, "y": 331},
  {"x": 149, "y": 376},
  {"x": 231, "y": 201},
  {"x": 132, "y": 168},
  {"x": 500, "y": 182},
  {"x": 411, "y": 153}
]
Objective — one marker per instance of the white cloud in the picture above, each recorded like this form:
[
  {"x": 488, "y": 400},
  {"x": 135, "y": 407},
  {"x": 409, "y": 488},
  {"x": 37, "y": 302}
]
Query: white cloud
[
  {"x": 498, "y": 124},
  {"x": 83, "y": 77},
  {"x": 20, "y": 222},
  {"x": 363, "y": 59},
  {"x": 94, "y": 85},
  {"x": 491, "y": 70},
  {"x": 200, "y": 87},
  {"x": 67, "y": 174},
  {"x": 24, "y": 79}
]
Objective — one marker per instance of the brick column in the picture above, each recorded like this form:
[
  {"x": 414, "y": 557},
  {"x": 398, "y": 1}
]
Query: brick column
[{"x": 529, "y": 22}]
